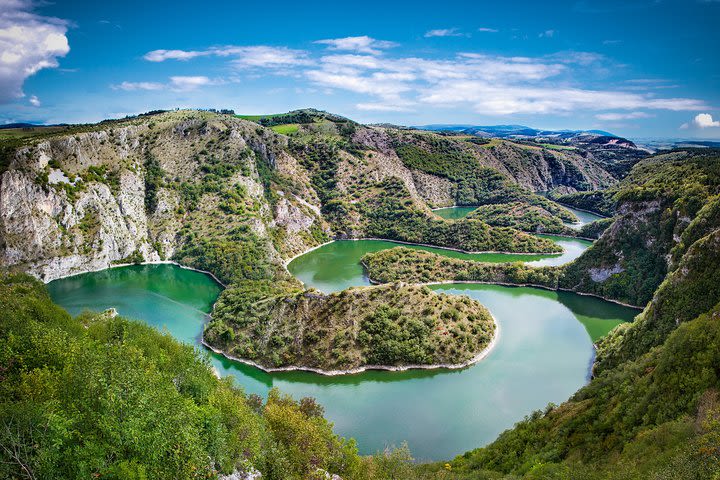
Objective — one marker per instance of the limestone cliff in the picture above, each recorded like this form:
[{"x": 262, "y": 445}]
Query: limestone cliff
[{"x": 128, "y": 190}]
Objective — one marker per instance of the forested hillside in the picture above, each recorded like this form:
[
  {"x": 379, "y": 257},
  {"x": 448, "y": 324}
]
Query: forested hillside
[
  {"x": 654, "y": 205},
  {"x": 392, "y": 326}
]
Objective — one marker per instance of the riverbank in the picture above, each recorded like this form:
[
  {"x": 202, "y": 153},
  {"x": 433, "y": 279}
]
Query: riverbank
[
  {"x": 506, "y": 284},
  {"x": 120, "y": 265},
  {"x": 487, "y": 252}
]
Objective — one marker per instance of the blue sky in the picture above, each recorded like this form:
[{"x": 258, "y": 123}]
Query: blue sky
[{"x": 639, "y": 68}]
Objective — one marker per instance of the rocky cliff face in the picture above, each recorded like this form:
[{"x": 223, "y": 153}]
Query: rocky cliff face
[
  {"x": 82, "y": 202},
  {"x": 533, "y": 167},
  {"x": 154, "y": 188},
  {"x": 659, "y": 214}
]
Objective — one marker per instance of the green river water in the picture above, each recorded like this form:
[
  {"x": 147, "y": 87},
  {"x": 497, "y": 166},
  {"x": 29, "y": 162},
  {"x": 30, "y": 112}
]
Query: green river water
[
  {"x": 454, "y": 213},
  {"x": 543, "y": 354}
]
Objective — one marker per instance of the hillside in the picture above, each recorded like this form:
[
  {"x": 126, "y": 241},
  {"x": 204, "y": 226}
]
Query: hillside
[
  {"x": 148, "y": 187},
  {"x": 389, "y": 326},
  {"x": 651, "y": 412},
  {"x": 667, "y": 203},
  {"x": 655, "y": 204},
  {"x": 102, "y": 396}
]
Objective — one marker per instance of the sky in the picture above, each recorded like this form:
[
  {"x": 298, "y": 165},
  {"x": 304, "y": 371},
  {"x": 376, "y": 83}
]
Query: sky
[{"x": 637, "y": 68}]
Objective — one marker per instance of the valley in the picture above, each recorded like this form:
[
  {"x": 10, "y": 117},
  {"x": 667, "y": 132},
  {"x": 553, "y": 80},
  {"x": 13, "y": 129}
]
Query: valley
[{"x": 299, "y": 222}]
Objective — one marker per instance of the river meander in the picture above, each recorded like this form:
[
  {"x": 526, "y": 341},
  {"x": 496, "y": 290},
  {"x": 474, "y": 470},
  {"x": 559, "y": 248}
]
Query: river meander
[{"x": 543, "y": 354}]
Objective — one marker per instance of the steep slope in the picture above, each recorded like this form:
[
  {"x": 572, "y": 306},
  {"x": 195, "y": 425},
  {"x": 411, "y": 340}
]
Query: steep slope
[
  {"x": 690, "y": 290},
  {"x": 530, "y": 166},
  {"x": 212, "y": 191},
  {"x": 145, "y": 189},
  {"x": 655, "y": 204}
]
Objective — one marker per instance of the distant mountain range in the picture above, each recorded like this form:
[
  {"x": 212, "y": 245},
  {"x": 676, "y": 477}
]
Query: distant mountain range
[{"x": 511, "y": 131}]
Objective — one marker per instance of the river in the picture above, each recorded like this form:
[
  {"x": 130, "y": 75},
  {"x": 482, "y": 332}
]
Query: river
[{"x": 543, "y": 354}]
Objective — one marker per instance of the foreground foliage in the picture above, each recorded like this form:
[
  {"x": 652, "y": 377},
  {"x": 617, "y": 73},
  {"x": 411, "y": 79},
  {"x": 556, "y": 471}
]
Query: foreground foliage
[{"x": 102, "y": 396}]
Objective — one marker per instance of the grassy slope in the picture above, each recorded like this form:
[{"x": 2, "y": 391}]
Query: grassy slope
[{"x": 389, "y": 325}]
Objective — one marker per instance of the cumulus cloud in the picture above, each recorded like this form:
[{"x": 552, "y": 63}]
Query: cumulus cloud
[
  {"x": 362, "y": 44},
  {"x": 547, "y": 34},
  {"x": 444, "y": 32},
  {"x": 705, "y": 120},
  {"x": 614, "y": 116},
  {"x": 28, "y": 43},
  {"x": 34, "y": 101}
]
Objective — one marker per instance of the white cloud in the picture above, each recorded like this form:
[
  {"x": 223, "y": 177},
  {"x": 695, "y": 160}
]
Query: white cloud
[
  {"x": 705, "y": 120},
  {"x": 614, "y": 116},
  {"x": 132, "y": 86},
  {"x": 266, "y": 57},
  {"x": 175, "y": 83},
  {"x": 34, "y": 101},
  {"x": 362, "y": 44},
  {"x": 182, "y": 83},
  {"x": 547, "y": 34},
  {"x": 444, "y": 32},
  {"x": 489, "y": 84},
  {"x": 242, "y": 56},
  {"x": 494, "y": 99},
  {"x": 488, "y": 30},
  {"x": 162, "y": 55},
  {"x": 28, "y": 43}
]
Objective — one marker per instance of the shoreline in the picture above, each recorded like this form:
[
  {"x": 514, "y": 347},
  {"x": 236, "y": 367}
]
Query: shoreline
[
  {"x": 582, "y": 210},
  {"x": 506, "y": 284},
  {"x": 287, "y": 262},
  {"x": 151, "y": 262},
  {"x": 353, "y": 371}
]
